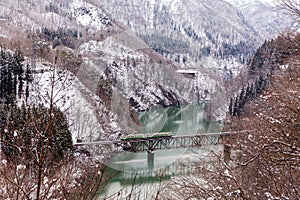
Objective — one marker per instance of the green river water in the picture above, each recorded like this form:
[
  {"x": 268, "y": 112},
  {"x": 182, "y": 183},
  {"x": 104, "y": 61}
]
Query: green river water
[{"x": 131, "y": 167}]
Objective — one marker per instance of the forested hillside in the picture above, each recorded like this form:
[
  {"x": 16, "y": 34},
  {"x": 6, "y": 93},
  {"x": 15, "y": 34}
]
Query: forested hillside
[
  {"x": 262, "y": 162},
  {"x": 194, "y": 34},
  {"x": 272, "y": 56}
]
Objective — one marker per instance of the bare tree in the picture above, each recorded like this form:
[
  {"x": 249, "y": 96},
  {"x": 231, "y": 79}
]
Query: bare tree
[{"x": 292, "y": 6}]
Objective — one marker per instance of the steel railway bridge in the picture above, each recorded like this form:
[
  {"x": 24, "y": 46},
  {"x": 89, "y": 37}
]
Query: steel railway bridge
[
  {"x": 151, "y": 144},
  {"x": 187, "y": 141}
]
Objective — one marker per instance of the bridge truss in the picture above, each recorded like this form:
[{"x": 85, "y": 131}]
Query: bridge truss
[
  {"x": 171, "y": 143},
  {"x": 152, "y": 144}
]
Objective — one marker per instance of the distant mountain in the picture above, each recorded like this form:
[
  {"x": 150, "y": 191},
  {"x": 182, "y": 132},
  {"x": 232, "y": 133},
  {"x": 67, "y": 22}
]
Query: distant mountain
[
  {"x": 207, "y": 33},
  {"x": 212, "y": 34},
  {"x": 239, "y": 3},
  {"x": 264, "y": 15}
]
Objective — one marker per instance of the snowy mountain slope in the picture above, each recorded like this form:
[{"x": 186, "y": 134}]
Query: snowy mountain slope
[
  {"x": 88, "y": 117},
  {"x": 189, "y": 31},
  {"x": 141, "y": 78},
  {"x": 118, "y": 69},
  {"x": 264, "y": 16},
  {"x": 76, "y": 101},
  {"x": 239, "y": 3}
]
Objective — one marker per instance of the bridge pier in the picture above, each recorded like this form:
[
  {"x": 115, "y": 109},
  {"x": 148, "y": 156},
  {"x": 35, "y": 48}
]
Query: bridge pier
[{"x": 150, "y": 159}]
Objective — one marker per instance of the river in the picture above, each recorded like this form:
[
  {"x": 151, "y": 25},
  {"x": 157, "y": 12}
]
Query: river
[{"x": 133, "y": 167}]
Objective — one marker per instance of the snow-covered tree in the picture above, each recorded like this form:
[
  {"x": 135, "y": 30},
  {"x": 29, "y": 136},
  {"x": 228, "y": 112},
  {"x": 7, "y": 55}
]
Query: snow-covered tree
[{"x": 292, "y": 6}]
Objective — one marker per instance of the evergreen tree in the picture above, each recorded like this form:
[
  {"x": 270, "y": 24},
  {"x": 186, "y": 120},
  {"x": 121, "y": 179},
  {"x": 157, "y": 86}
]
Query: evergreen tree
[
  {"x": 242, "y": 99},
  {"x": 23, "y": 129},
  {"x": 9, "y": 92},
  {"x": 28, "y": 79},
  {"x": 261, "y": 84},
  {"x": 253, "y": 91},
  {"x": 11, "y": 76},
  {"x": 2, "y": 81},
  {"x": 231, "y": 107},
  {"x": 18, "y": 71},
  {"x": 236, "y": 107},
  {"x": 248, "y": 92}
]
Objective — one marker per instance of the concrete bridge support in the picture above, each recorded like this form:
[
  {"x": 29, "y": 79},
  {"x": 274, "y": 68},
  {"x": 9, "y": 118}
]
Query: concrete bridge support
[{"x": 150, "y": 159}]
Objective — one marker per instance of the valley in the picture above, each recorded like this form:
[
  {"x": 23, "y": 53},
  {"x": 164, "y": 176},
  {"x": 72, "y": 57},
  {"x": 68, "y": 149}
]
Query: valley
[{"x": 84, "y": 71}]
